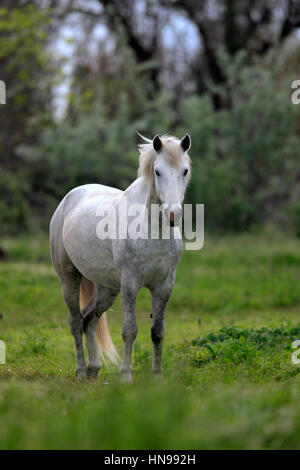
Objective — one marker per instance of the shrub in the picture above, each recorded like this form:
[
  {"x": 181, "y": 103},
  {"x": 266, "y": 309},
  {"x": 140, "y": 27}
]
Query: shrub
[{"x": 245, "y": 157}]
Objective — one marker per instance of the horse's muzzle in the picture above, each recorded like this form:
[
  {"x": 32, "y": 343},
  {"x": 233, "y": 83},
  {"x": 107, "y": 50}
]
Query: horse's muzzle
[{"x": 174, "y": 215}]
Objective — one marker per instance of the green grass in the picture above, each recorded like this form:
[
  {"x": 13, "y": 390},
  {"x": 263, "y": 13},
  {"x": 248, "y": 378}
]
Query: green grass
[{"x": 229, "y": 379}]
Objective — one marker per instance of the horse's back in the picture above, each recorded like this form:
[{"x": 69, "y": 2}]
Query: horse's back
[
  {"x": 77, "y": 195},
  {"x": 87, "y": 192}
]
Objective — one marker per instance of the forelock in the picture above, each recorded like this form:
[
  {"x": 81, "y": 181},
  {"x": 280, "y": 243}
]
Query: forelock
[{"x": 172, "y": 151}]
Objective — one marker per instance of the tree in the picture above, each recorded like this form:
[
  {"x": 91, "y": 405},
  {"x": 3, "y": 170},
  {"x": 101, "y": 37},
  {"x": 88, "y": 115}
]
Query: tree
[
  {"x": 142, "y": 31},
  {"x": 25, "y": 69},
  {"x": 252, "y": 25}
]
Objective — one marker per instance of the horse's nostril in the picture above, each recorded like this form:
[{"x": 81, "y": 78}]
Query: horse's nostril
[{"x": 171, "y": 216}]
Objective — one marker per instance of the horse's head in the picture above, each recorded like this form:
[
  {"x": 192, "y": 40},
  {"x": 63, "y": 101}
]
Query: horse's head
[{"x": 171, "y": 173}]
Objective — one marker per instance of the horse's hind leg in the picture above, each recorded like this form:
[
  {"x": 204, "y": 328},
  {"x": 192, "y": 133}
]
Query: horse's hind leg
[
  {"x": 70, "y": 287},
  {"x": 102, "y": 300},
  {"x": 70, "y": 279}
]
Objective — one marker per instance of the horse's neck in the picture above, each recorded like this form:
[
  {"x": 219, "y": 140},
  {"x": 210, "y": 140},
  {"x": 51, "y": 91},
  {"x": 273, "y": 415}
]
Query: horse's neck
[{"x": 141, "y": 193}]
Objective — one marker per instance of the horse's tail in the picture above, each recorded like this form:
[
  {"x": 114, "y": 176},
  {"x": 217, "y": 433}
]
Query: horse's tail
[{"x": 106, "y": 346}]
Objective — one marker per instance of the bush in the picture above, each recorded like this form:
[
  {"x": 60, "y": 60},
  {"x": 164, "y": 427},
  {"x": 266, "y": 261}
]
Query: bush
[
  {"x": 13, "y": 207},
  {"x": 244, "y": 158},
  {"x": 245, "y": 167},
  {"x": 296, "y": 217}
]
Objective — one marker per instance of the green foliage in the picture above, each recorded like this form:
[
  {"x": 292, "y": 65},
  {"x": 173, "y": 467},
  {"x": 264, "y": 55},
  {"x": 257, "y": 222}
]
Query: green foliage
[
  {"x": 97, "y": 148},
  {"x": 261, "y": 338},
  {"x": 245, "y": 167},
  {"x": 28, "y": 72},
  {"x": 27, "y": 249},
  {"x": 93, "y": 150},
  {"x": 22, "y": 33},
  {"x": 245, "y": 157},
  {"x": 295, "y": 209},
  {"x": 13, "y": 206},
  {"x": 233, "y": 345}
]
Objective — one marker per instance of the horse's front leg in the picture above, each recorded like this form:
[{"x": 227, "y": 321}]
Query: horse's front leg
[
  {"x": 129, "y": 291},
  {"x": 160, "y": 297}
]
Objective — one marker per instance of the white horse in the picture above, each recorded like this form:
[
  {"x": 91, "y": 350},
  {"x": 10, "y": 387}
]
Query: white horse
[{"x": 92, "y": 271}]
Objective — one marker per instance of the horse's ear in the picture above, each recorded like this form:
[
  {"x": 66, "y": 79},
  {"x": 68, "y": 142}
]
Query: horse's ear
[
  {"x": 186, "y": 142},
  {"x": 157, "y": 143}
]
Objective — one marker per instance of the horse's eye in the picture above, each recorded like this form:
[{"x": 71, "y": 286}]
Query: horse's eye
[
  {"x": 185, "y": 172},
  {"x": 157, "y": 173}
]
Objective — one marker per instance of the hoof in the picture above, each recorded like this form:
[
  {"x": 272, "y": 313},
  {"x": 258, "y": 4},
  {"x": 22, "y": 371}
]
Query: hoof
[
  {"x": 81, "y": 374},
  {"x": 126, "y": 377},
  {"x": 126, "y": 374},
  {"x": 93, "y": 372}
]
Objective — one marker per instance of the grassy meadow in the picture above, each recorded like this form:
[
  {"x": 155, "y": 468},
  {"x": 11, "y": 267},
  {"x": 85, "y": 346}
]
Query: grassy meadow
[{"x": 229, "y": 379}]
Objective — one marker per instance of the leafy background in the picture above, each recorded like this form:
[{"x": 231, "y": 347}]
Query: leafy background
[{"x": 83, "y": 77}]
